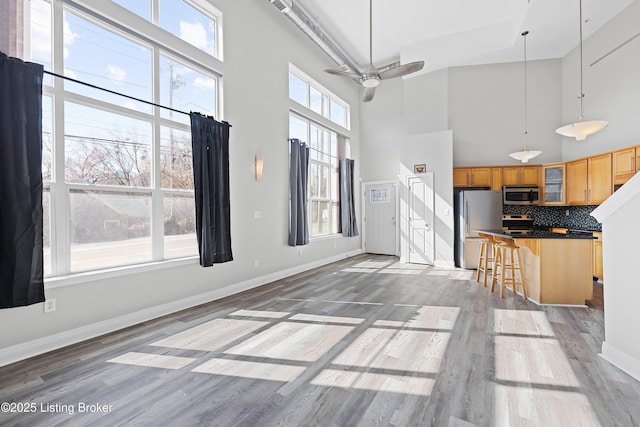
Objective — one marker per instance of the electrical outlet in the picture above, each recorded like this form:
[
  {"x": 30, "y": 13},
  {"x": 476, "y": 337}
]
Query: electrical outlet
[
  {"x": 257, "y": 214},
  {"x": 50, "y": 305},
  {"x": 256, "y": 263}
]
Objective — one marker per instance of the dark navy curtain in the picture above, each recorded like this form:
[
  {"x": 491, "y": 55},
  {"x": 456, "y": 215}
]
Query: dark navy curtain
[
  {"x": 210, "y": 143},
  {"x": 298, "y": 176},
  {"x": 21, "y": 272},
  {"x": 347, "y": 200}
]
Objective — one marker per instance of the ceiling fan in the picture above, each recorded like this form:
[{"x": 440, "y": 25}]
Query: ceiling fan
[{"x": 371, "y": 78}]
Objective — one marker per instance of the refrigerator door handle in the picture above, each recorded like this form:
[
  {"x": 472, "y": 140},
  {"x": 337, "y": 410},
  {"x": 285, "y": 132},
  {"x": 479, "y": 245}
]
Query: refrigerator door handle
[{"x": 466, "y": 218}]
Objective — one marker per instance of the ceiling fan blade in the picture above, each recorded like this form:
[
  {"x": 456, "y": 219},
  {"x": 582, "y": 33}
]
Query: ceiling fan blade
[
  {"x": 402, "y": 70},
  {"x": 342, "y": 73},
  {"x": 368, "y": 94}
]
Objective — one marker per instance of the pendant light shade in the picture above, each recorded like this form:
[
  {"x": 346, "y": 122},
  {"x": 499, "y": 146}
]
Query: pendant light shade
[
  {"x": 581, "y": 128},
  {"x": 525, "y": 155}
]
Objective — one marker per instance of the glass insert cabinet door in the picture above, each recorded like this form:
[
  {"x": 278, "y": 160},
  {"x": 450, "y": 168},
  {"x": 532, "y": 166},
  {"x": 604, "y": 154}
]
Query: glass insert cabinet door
[{"x": 554, "y": 189}]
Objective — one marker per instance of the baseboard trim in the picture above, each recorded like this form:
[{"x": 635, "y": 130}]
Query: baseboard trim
[
  {"x": 620, "y": 359},
  {"x": 40, "y": 346}
]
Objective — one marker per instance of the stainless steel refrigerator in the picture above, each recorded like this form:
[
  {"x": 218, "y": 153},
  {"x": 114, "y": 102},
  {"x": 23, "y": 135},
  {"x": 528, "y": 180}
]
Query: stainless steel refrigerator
[{"x": 474, "y": 209}]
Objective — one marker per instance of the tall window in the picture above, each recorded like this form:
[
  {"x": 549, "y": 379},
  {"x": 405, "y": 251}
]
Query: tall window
[
  {"x": 326, "y": 146},
  {"x": 118, "y": 179}
]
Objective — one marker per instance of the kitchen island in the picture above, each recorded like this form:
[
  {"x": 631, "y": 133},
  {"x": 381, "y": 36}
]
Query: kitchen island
[{"x": 557, "y": 267}]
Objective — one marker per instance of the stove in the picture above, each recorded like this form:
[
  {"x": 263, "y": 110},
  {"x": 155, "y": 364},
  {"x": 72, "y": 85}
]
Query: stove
[{"x": 517, "y": 225}]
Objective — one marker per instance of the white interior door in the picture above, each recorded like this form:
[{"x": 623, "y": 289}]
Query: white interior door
[
  {"x": 421, "y": 219},
  {"x": 380, "y": 218}
]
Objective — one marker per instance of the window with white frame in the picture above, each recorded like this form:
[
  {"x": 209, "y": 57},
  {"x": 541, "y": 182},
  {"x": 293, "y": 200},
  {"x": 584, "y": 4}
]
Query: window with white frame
[
  {"x": 118, "y": 181},
  {"x": 307, "y": 92},
  {"x": 326, "y": 147}
]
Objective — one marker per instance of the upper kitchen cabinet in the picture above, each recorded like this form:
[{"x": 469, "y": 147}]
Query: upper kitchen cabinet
[
  {"x": 520, "y": 175},
  {"x": 553, "y": 184},
  {"x": 472, "y": 177},
  {"x": 589, "y": 181},
  {"x": 625, "y": 164}
]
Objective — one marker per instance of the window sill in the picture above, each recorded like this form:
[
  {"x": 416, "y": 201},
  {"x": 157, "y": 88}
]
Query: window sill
[{"x": 89, "y": 276}]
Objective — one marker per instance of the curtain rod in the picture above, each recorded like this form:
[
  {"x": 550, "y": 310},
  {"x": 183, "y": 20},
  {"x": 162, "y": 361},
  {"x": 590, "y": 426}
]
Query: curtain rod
[{"x": 120, "y": 94}]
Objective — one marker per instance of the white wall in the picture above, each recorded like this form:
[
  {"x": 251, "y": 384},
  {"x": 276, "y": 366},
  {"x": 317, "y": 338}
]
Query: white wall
[
  {"x": 618, "y": 215},
  {"x": 259, "y": 44},
  {"x": 611, "y": 86},
  {"x": 486, "y": 112}
]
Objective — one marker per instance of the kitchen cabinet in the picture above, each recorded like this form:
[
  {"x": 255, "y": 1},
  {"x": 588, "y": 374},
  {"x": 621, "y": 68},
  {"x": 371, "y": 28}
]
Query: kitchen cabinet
[
  {"x": 589, "y": 181},
  {"x": 597, "y": 256},
  {"x": 553, "y": 184},
  {"x": 520, "y": 175},
  {"x": 496, "y": 179},
  {"x": 625, "y": 164},
  {"x": 472, "y": 177}
]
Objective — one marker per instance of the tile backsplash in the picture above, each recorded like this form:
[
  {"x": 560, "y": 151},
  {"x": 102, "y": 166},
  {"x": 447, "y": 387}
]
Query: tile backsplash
[{"x": 579, "y": 216}]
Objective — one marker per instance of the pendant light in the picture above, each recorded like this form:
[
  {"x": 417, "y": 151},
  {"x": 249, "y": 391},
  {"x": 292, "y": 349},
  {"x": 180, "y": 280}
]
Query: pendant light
[
  {"x": 581, "y": 128},
  {"x": 525, "y": 155}
]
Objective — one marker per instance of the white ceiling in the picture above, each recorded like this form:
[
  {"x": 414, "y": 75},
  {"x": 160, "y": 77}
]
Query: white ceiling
[{"x": 446, "y": 33}]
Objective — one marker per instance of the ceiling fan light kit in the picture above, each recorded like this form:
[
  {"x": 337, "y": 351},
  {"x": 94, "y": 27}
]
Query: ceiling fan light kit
[
  {"x": 371, "y": 78},
  {"x": 525, "y": 155},
  {"x": 581, "y": 128}
]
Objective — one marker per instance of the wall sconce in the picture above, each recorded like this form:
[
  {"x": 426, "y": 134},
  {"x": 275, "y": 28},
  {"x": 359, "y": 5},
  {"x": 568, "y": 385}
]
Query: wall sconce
[{"x": 258, "y": 166}]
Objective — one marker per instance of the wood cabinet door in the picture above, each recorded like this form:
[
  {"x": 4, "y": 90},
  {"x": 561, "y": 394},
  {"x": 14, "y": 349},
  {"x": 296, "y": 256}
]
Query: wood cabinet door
[
  {"x": 481, "y": 177},
  {"x": 529, "y": 175},
  {"x": 624, "y": 165},
  {"x": 577, "y": 182},
  {"x": 600, "y": 184},
  {"x": 496, "y": 179},
  {"x": 597, "y": 257},
  {"x": 510, "y": 175},
  {"x": 461, "y": 177}
]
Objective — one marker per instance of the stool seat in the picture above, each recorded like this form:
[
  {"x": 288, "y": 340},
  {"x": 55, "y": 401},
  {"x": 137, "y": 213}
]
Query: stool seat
[
  {"x": 508, "y": 267},
  {"x": 486, "y": 260}
]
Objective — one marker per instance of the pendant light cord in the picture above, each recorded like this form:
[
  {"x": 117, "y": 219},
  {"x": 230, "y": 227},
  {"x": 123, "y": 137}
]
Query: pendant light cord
[
  {"x": 371, "y": 32},
  {"x": 524, "y": 35},
  {"x": 581, "y": 117}
]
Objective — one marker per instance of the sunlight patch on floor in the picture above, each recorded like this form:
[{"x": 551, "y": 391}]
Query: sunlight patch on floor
[
  {"x": 255, "y": 370},
  {"x": 375, "y": 382},
  {"x": 326, "y": 319},
  {"x": 211, "y": 335},
  {"x": 292, "y": 341},
  {"x": 519, "y": 405},
  {"x": 260, "y": 313},
  {"x": 152, "y": 360},
  {"x": 522, "y": 322}
]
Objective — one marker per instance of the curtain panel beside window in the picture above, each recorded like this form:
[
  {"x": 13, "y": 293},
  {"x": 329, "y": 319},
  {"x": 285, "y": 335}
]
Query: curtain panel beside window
[
  {"x": 347, "y": 200},
  {"x": 21, "y": 232},
  {"x": 210, "y": 142},
  {"x": 298, "y": 176}
]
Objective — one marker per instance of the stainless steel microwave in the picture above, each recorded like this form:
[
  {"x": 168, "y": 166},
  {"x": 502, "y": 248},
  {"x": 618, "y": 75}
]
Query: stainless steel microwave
[{"x": 520, "y": 195}]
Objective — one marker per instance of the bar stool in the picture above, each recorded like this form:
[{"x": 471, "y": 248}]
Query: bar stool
[
  {"x": 487, "y": 256},
  {"x": 507, "y": 264}
]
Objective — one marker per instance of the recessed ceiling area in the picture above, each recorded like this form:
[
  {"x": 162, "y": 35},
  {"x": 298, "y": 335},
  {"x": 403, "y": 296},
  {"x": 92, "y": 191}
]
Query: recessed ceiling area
[{"x": 446, "y": 33}]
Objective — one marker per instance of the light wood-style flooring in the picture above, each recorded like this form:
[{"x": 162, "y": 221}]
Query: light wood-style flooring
[{"x": 362, "y": 342}]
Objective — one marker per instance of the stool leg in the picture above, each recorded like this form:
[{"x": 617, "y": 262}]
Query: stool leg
[
  {"x": 496, "y": 266},
  {"x": 524, "y": 287},
  {"x": 479, "y": 269},
  {"x": 486, "y": 263},
  {"x": 503, "y": 279}
]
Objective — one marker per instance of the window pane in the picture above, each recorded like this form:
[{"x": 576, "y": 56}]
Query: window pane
[
  {"x": 297, "y": 89},
  {"x": 190, "y": 24},
  {"x": 109, "y": 229},
  {"x": 315, "y": 100},
  {"x": 313, "y": 180},
  {"x": 176, "y": 164},
  {"x": 338, "y": 114},
  {"x": 315, "y": 141},
  {"x": 106, "y": 148},
  {"x": 179, "y": 227},
  {"x": 335, "y": 223},
  {"x": 319, "y": 218},
  {"x": 95, "y": 55},
  {"x": 298, "y": 128},
  {"x": 139, "y": 7},
  {"x": 46, "y": 231},
  {"x": 40, "y": 35},
  {"x": 47, "y": 139},
  {"x": 324, "y": 182},
  {"x": 185, "y": 89}
]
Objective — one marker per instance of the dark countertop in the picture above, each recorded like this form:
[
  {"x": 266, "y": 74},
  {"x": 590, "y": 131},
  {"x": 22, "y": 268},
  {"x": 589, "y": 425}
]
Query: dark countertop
[{"x": 540, "y": 234}]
